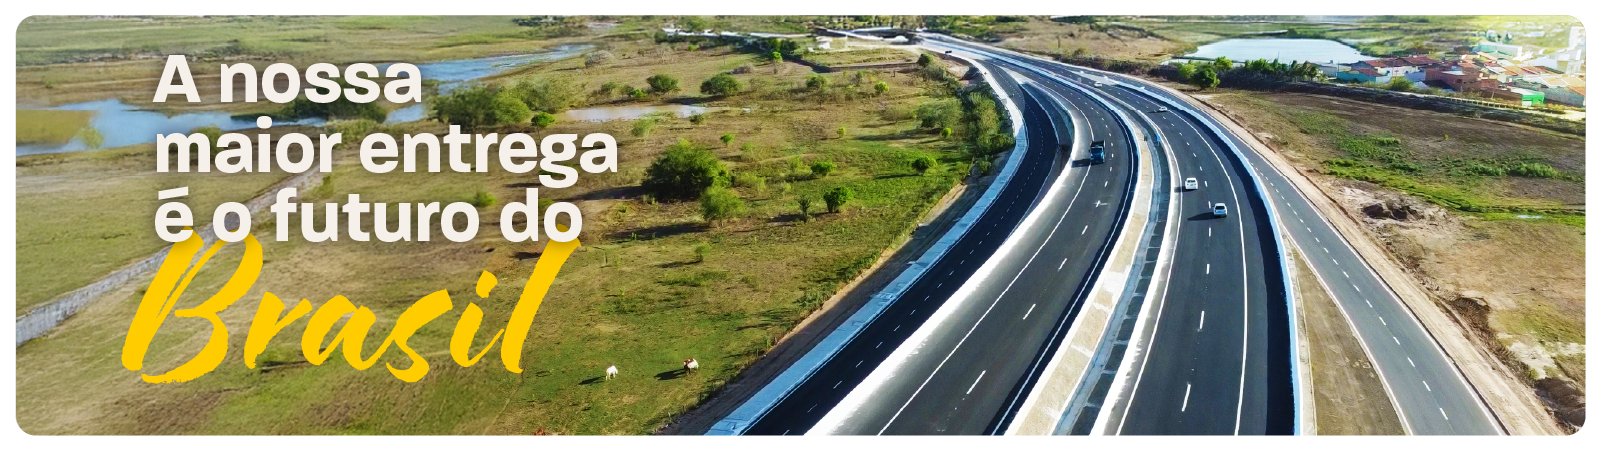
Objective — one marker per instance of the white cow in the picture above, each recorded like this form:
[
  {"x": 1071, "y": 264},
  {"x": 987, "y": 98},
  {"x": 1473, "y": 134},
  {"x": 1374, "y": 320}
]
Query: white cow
[
  {"x": 691, "y": 365},
  {"x": 611, "y": 372}
]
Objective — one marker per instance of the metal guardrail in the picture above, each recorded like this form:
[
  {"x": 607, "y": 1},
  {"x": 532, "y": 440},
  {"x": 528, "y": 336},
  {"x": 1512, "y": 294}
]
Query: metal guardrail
[{"x": 753, "y": 409}]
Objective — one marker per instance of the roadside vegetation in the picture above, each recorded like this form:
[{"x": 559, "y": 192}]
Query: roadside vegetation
[
  {"x": 1488, "y": 215},
  {"x": 718, "y": 234}
]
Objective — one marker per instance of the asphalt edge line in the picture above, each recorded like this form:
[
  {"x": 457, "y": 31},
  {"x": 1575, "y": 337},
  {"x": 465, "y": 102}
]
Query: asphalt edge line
[
  {"x": 1119, "y": 289},
  {"x": 779, "y": 388}
]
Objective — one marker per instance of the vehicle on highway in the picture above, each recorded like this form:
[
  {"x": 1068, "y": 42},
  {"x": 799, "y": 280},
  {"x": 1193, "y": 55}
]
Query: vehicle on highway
[
  {"x": 1161, "y": 109},
  {"x": 1190, "y": 184},
  {"x": 1220, "y": 210},
  {"x": 1098, "y": 152},
  {"x": 1097, "y": 84}
]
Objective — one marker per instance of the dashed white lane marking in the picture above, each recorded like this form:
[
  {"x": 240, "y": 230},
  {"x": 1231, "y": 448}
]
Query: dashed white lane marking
[
  {"x": 897, "y": 327},
  {"x": 1409, "y": 360},
  {"x": 1347, "y": 275},
  {"x": 1325, "y": 250},
  {"x": 1426, "y": 386},
  {"x": 1030, "y": 310},
  {"x": 1208, "y": 268},
  {"x": 1203, "y": 322},
  {"x": 877, "y": 345},
  {"x": 1064, "y": 263},
  {"x": 1186, "y": 398},
  {"x": 1442, "y": 413},
  {"x": 836, "y": 384},
  {"x": 1358, "y": 289},
  {"x": 1397, "y": 340},
  {"x": 1208, "y": 231},
  {"x": 1381, "y": 321},
  {"x": 858, "y": 365},
  {"x": 1086, "y": 229},
  {"x": 1335, "y": 261},
  {"x": 1370, "y": 303},
  {"x": 975, "y": 381}
]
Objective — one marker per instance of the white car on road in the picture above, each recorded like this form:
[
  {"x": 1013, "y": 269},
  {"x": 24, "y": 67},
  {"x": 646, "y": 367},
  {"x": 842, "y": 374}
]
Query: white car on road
[
  {"x": 1190, "y": 184},
  {"x": 1220, "y": 210}
]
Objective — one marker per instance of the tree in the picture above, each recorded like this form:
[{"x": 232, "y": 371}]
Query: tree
[
  {"x": 939, "y": 113},
  {"x": 776, "y": 56},
  {"x": 822, "y": 168},
  {"x": 1205, "y": 78},
  {"x": 924, "y": 60},
  {"x": 880, "y": 88},
  {"x": 728, "y": 138},
  {"x": 945, "y": 132},
  {"x": 923, "y": 163},
  {"x": 480, "y": 106},
  {"x": 1186, "y": 71},
  {"x": 684, "y": 171},
  {"x": 720, "y": 85},
  {"x": 543, "y": 119},
  {"x": 837, "y": 198},
  {"x": 662, "y": 83},
  {"x": 720, "y": 203},
  {"x": 551, "y": 95},
  {"x": 1222, "y": 64}
]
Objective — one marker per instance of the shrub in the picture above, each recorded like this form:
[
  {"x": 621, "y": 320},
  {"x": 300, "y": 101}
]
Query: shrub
[
  {"x": 1410, "y": 168},
  {"x": 744, "y": 69},
  {"x": 946, "y": 132},
  {"x": 697, "y": 118},
  {"x": 1399, "y": 84},
  {"x": 984, "y": 166},
  {"x": 727, "y": 138},
  {"x": 939, "y": 114},
  {"x": 896, "y": 114},
  {"x": 805, "y": 207},
  {"x": 924, "y": 60},
  {"x": 837, "y": 198},
  {"x": 923, "y": 164},
  {"x": 1533, "y": 170},
  {"x": 719, "y": 203},
  {"x": 753, "y": 182},
  {"x": 684, "y": 171},
  {"x": 598, "y": 58},
  {"x": 642, "y": 127},
  {"x": 701, "y": 251},
  {"x": 637, "y": 94},
  {"x": 842, "y": 132},
  {"x": 543, "y": 119},
  {"x": 662, "y": 83},
  {"x": 1483, "y": 169},
  {"x": 551, "y": 95},
  {"x": 480, "y": 106},
  {"x": 720, "y": 85},
  {"x": 482, "y": 199},
  {"x": 775, "y": 56},
  {"x": 212, "y": 132},
  {"x": 816, "y": 82},
  {"x": 341, "y": 108},
  {"x": 822, "y": 168},
  {"x": 880, "y": 88}
]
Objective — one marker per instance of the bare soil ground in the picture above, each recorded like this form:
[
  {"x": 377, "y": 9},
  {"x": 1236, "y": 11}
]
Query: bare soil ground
[{"x": 1349, "y": 395}]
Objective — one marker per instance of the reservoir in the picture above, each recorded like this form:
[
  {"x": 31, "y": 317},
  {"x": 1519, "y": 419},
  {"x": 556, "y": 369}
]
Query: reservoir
[{"x": 1285, "y": 50}]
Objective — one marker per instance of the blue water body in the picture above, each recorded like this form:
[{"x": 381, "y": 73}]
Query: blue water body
[
  {"x": 1285, "y": 50},
  {"x": 121, "y": 124}
]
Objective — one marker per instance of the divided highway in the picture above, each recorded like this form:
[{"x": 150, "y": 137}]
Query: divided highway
[{"x": 1427, "y": 389}]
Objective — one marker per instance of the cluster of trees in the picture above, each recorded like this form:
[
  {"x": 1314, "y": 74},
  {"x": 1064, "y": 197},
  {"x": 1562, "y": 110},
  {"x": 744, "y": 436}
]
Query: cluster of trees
[
  {"x": 686, "y": 172},
  {"x": 1209, "y": 75},
  {"x": 527, "y": 102}
]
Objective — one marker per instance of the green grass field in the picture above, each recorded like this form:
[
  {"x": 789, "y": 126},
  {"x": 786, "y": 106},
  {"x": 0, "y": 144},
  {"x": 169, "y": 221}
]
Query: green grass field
[{"x": 637, "y": 295}]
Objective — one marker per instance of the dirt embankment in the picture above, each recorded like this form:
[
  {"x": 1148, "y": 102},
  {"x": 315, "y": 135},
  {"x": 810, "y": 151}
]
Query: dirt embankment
[{"x": 1503, "y": 294}]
